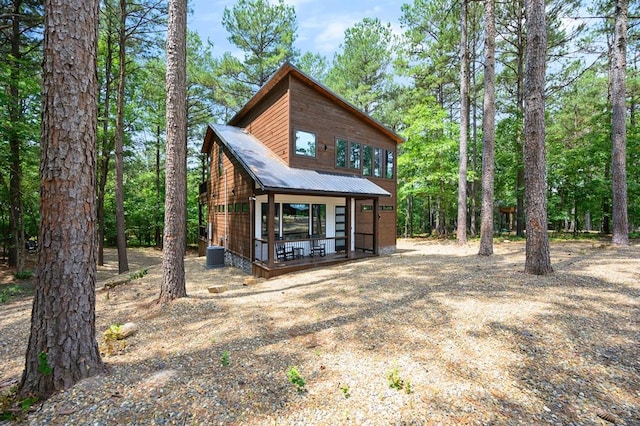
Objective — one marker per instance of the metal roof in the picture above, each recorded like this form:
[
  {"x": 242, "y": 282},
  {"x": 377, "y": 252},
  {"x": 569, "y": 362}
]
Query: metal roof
[{"x": 272, "y": 174}]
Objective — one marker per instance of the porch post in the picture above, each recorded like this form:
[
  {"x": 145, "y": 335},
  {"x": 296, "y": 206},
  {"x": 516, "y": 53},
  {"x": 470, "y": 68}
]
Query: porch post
[
  {"x": 376, "y": 224},
  {"x": 348, "y": 230},
  {"x": 270, "y": 229}
]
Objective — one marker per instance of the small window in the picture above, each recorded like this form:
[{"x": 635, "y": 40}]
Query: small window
[
  {"x": 377, "y": 162},
  {"x": 354, "y": 155},
  {"x": 367, "y": 207},
  {"x": 220, "y": 160},
  {"x": 237, "y": 207},
  {"x": 230, "y": 208},
  {"x": 389, "y": 169},
  {"x": 245, "y": 207},
  {"x": 341, "y": 153},
  {"x": 367, "y": 160},
  {"x": 305, "y": 143}
]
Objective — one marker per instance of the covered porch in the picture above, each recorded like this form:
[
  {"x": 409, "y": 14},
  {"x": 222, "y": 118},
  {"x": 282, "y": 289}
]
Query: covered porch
[{"x": 293, "y": 232}]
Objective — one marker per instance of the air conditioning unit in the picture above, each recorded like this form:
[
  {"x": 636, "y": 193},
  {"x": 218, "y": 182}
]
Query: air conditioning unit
[{"x": 215, "y": 257}]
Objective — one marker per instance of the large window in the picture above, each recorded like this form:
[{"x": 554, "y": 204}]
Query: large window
[
  {"x": 377, "y": 162},
  {"x": 305, "y": 143},
  {"x": 276, "y": 220},
  {"x": 354, "y": 155},
  {"x": 318, "y": 220},
  {"x": 367, "y": 160},
  {"x": 295, "y": 221},
  {"x": 389, "y": 167},
  {"x": 341, "y": 153}
]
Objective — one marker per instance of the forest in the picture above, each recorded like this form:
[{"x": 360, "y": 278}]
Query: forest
[{"x": 411, "y": 82}]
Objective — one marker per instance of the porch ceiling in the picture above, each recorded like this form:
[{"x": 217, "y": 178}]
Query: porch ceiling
[{"x": 272, "y": 174}]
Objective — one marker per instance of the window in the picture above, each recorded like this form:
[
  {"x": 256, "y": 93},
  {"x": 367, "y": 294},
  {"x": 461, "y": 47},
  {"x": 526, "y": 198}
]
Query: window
[
  {"x": 295, "y": 221},
  {"x": 276, "y": 220},
  {"x": 318, "y": 220},
  {"x": 220, "y": 166},
  {"x": 230, "y": 208},
  {"x": 367, "y": 160},
  {"x": 245, "y": 207},
  {"x": 305, "y": 143},
  {"x": 377, "y": 162},
  {"x": 341, "y": 153},
  {"x": 237, "y": 207},
  {"x": 354, "y": 155},
  {"x": 389, "y": 165}
]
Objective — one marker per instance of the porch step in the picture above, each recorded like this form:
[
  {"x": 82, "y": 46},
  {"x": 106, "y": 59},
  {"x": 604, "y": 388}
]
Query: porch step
[{"x": 218, "y": 289}]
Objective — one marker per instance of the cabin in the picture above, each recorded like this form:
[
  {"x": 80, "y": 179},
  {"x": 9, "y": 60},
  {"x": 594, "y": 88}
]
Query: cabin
[{"x": 298, "y": 178}]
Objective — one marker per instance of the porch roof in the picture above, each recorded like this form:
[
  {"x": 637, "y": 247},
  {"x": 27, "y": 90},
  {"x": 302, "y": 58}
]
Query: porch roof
[{"x": 272, "y": 174}]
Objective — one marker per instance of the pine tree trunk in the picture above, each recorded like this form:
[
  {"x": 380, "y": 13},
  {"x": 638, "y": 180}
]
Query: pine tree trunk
[
  {"x": 464, "y": 128},
  {"x": 121, "y": 238},
  {"x": 174, "y": 242},
  {"x": 489, "y": 130},
  {"x": 619, "y": 137},
  {"x": 106, "y": 145},
  {"x": 537, "y": 261},
  {"x": 62, "y": 346},
  {"x": 16, "y": 211}
]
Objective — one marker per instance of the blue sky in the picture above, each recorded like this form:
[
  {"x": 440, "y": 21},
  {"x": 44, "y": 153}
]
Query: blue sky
[{"x": 321, "y": 23}]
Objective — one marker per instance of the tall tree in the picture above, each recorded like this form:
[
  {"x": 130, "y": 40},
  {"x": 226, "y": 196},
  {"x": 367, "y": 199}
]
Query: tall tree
[
  {"x": 464, "y": 127},
  {"x": 121, "y": 238},
  {"x": 489, "y": 130},
  {"x": 174, "y": 242},
  {"x": 62, "y": 346},
  {"x": 619, "y": 132},
  {"x": 265, "y": 33},
  {"x": 537, "y": 260},
  {"x": 20, "y": 28},
  {"x": 361, "y": 72}
]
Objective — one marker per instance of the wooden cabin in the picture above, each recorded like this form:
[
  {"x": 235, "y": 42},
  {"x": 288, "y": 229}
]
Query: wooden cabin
[{"x": 298, "y": 178}]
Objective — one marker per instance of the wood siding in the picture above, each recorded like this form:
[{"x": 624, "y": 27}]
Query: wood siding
[
  {"x": 269, "y": 121},
  {"x": 233, "y": 179}
]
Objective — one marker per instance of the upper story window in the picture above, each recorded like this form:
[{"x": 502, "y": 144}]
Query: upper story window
[
  {"x": 367, "y": 160},
  {"x": 305, "y": 143},
  {"x": 354, "y": 155},
  {"x": 389, "y": 166},
  {"x": 377, "y": 162},
  {"x": 341, "y": 153}
]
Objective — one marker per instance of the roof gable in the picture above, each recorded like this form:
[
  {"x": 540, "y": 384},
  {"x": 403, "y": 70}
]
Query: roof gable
[{"x": 289, "y": 71}]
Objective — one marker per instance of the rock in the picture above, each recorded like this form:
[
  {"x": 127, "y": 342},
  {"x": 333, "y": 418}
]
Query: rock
[
  {"x": 250, "y": 281},
  {"x": 218, "y": 289},
  {"x": 121, "y": 332}
]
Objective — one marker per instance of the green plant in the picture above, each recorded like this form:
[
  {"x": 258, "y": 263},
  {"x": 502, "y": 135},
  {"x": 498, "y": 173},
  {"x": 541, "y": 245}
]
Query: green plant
[
  {"x": 11, "y": 291},
  {"x": 23, "y": 275},
  {"x": 224, "y": 359},
  {"x": 296, "y": 379},
  {"x": 43, "y": 364},
  {"x": 111, "y": 341},
  {"x": 26, "y": 403},
  {"x": 407, "y": 387},
  {"x": 345, "y": 391},
  {"x": 138, "y": 274},
  {"x": 393, "y": 377}
]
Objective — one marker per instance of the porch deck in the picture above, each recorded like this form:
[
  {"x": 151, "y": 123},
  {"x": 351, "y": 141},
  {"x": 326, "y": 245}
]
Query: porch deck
[{"x": 262, "y": 269}]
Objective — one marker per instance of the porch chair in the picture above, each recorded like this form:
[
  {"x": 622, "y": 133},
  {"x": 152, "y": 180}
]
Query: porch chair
[
  {"x": 283, "y": 254},
  {"x": 318, "y": 248}
]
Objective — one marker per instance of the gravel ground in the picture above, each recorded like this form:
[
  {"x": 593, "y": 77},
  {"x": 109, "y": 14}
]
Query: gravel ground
[{"x": 433, "y": 334}]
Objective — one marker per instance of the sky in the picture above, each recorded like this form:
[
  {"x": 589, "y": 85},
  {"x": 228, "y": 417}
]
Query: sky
[{"x": 321, "y": 23}]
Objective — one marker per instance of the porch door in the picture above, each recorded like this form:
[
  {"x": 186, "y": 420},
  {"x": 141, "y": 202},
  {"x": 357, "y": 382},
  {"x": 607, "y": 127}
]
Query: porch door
[{"x": 341, "y": 224}]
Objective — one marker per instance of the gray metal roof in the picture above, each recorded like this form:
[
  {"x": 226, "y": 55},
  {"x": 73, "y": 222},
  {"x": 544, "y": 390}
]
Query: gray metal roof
[{"x": 272, "y": 174}]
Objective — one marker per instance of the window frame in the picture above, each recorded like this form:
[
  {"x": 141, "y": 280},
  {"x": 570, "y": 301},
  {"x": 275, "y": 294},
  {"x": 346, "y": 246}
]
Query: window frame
[
  {"x": 355, "y": 159},
  {"x": 345, "y": 156},
  {"x": 315, "y": 144}
]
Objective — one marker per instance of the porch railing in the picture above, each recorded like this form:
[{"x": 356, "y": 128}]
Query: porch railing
[
  {"x": 364, "y": 242},
  {"x": 285, "y": 250}
]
